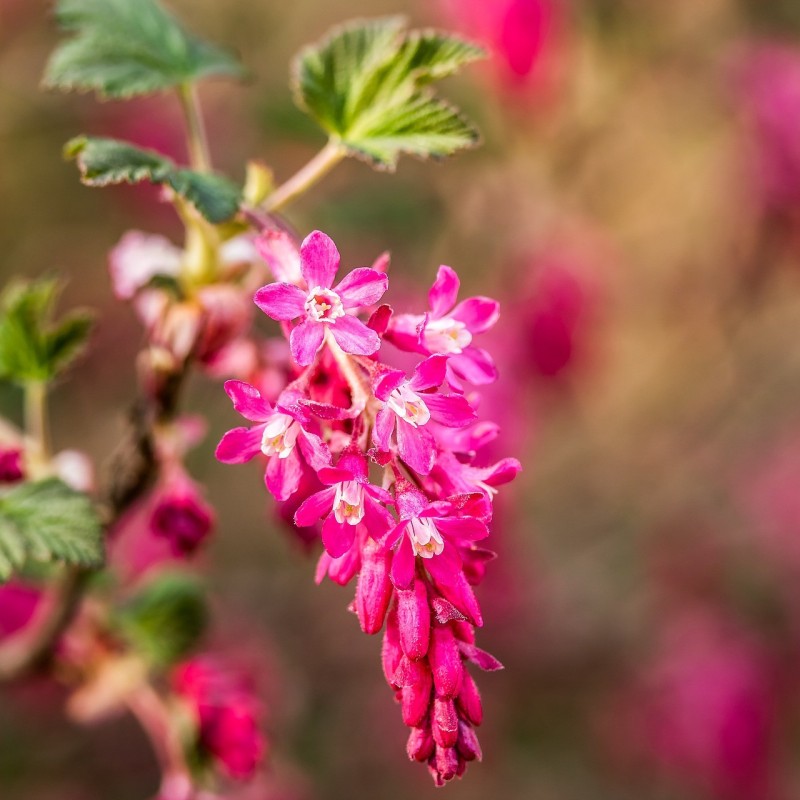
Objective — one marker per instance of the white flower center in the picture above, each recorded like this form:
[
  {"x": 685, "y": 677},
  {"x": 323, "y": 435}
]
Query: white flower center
[
  {"x": 446, "y": 336},
  {"x": 348, "y": 505},
  {"x": 409, "y": 406},
  {"x": 280, "y": 435},
  {"x": 425, "y": 539},
  {"x": 324, "y": 305}
]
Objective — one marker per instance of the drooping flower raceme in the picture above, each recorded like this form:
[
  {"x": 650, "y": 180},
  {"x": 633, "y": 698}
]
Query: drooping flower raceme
[{"x": 390, "y": 464}]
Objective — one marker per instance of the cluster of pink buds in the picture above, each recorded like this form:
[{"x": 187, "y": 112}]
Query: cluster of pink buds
[
  {"x": 226, "y": 713},
  {"x": 388, "y": 465}
]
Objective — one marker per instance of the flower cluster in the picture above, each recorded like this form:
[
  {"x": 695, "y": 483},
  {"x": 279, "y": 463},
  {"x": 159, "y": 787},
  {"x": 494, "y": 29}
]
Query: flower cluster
[{"x": 387, "y": 463}]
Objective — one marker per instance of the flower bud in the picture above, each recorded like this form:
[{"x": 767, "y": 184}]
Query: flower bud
[
  {"x": 468, "y": 700},
  {"x": 446, "y": 762},
  {"x": 391, "y": 653},
  {"x": 420, "y": 744},
  {"x": 416, "y": 695},
  {"x": 444, "y": 722},
  {"x": 468, "y": 746},
  {"x": 374, "y": 590},
  {"x": 445, "y": 661},
  {"x": 182, "y": 516},
  {"x": 414, "y": 620}
]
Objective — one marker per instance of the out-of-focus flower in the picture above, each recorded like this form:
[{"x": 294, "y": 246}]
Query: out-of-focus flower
[
  {"x": 11, "y": 465},
  {"x": 227, "y": 713},
  {"x": 18, "y": 602},
  {"x": 180, "y": 515},
  {"x": 702, "y": 709},
  {"x": 768, "y": 78},
  {"x": 526, "y": 37}
]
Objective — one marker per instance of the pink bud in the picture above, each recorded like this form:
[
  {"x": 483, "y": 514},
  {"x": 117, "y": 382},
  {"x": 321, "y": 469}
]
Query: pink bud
[
  {"x": 416, "y": 697},
  {"x": 446, "y": 761},
  {"x": 469, "y": 700},
  {"x": 374, "y": 590},
  {"x": 420, "y": 744},
  {"x": 343, "y": 569},
  {"x": 414, "y": 620},
  {"x": 445, "y": 661},
  {"x": 11, "y": 469},
  {"x": 469, "y": 748},
  {"x": 182, "y": 516},
  {"x": 458, "y": 591},
  {"x": 444, "y": 723},
  {"x": 391, "y": 653}
]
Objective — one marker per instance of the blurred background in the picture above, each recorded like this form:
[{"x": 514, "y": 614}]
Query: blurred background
[{"x": 636, "y": 208}]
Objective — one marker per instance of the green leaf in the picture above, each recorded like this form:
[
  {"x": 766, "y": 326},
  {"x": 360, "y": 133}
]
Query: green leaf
[
  {"x": 34, "y": 347},
  {"x": 165, "y": 620},
  {"x": 124, "y": 48},
  {"x": 48, "y": 521},
  {"x": 368, "y": 85},
  {"x": 104, "y": 162}
]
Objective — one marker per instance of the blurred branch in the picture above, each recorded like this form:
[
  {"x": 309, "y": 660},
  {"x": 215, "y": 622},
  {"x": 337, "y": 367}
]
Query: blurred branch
[{"x": 196, "y": 137}]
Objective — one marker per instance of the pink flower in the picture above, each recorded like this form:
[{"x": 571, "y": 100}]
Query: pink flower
[
  {"x": 11, "y": 466},
  {"x": 433, "y": 532},
  {"x": 348, "y": 500},
  {"x": 526, "y": 36},
  {"x": 409, "y": 405},
  {"x": 281, "y": 434},
  {"x": 227, "y": 714},
  {"x": 448, "y": 329},
  {"x": 180, "y": 514},
  {"x": 282, "y": 255},
  {"x": 769, "y": 85},
  {"x": 321, "y": 307}
]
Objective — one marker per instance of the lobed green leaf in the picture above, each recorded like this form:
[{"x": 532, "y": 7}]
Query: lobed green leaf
[
  {"x": 48, "y": 521},
  {"x": 103, "y": 162},
  {"x": 368, "y": 84},
  {"x": 33, "y": 347},
  {"x": 124, "y": 48}
]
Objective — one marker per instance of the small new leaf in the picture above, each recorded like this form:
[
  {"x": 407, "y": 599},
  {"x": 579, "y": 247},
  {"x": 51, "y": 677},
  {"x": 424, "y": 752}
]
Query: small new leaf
[
  {"x": 368, "y": 84},
  {"x": 103, "y": 162},
  {"x": 33, "y": 346},
  {"x": 48, "y": 521},
  {"x": 124, "y": 48},
  {"x": 165, "y": 620}
]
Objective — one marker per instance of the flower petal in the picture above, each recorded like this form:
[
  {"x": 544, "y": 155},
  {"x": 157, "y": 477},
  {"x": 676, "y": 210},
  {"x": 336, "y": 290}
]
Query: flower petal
[
  {"x": 337, "y": 536},
  {"x": 429, "y": 373},
  {"x": 280, "y": 252},
  {"x": 305, "y": 340},
  {"x": 403, "y": 563},
  {"x": 362, "y": 287},
  {"x": 330, "y": 476},
  {"x": 387, "y": 381},
  {"x": 382, "y": 432},
  {"x": 314, "y": 450},
  {"x": 477, "y": 313},
  {"x": 466, "y": 529},
  {"x": 444, "y": 291},
  {"x": 451, "y": 410},
  {"x": 247, "y": 400},
  {"x": 312, "y": 508},
  {"x": 240, "y": 445},
  {"x": 281, "y": 301},
  {"x": 319, "y": 260},
  {"x": 354, "y": 337},
  {"x": 283, "y": 475},
  {"x": 416, "y": 447},
  {"x": 474, "y": 365}
]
